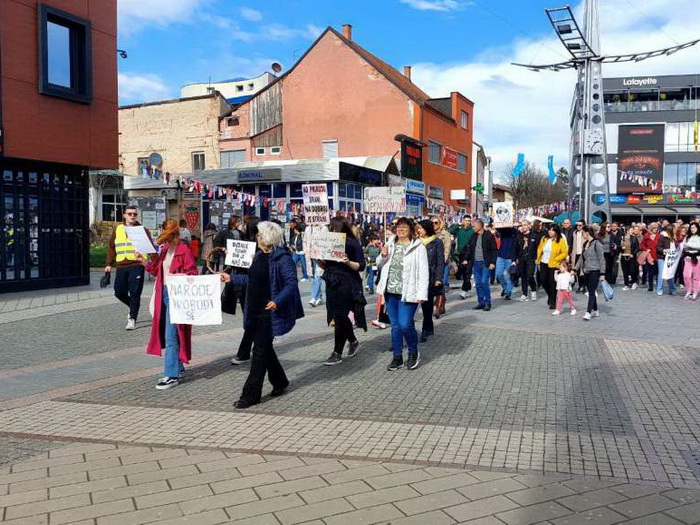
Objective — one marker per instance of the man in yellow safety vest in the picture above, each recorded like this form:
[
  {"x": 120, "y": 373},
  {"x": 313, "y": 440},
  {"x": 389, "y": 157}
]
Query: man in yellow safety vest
[{"x": 128, "y": 283}]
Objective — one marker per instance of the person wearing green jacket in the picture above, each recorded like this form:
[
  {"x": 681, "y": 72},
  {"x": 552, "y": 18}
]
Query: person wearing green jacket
[{"x": 463, "y": 233}]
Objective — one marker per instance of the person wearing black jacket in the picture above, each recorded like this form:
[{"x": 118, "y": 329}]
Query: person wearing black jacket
[
  {"x": 296, "y": 244},
  {"x": 616, "y": 235},
  {"x": 534, "y": 238},
  {"x": 630, "y": 247},
  {"x": 436, "y": 266},
  {"x": 482, "y": 253}
]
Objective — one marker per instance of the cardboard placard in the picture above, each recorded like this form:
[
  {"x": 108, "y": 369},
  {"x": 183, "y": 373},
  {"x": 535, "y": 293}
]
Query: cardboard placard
[
  {"x": 195, "y": 299},
  {"x": 327, "y": 246},
  {"x": 316, "y": 209},
  {"x": 139, "y": 240},
  {"x": 239, "y": 253},
  {"x": 503, "y": 215},
  {"x": 385, "y": 199}
]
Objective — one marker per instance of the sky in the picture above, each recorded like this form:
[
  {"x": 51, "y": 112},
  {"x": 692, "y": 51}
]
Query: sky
[{"x": 453, "y": 45}]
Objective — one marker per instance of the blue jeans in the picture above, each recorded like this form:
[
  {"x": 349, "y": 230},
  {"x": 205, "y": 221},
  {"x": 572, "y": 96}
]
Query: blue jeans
[
  {"x": 402, "y": 325},
  {"x": 300, "y": 257},
  {"x": 370, "y": 278},
  {"x": 660, "y": 281},
  {"x": 503, "y": 274},
  {"x": 446, "y": 276},
  {"x": 316, "y": 284},
  {"x": 172, "y": 365},
  {"x": 482, "y": 274}
]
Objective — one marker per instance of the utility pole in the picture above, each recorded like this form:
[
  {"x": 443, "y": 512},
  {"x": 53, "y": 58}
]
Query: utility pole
[{"x": 589, "y": 191}]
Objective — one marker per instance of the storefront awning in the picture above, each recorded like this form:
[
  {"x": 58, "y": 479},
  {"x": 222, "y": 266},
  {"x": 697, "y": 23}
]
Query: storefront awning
[{"x": 660, "y": 211}]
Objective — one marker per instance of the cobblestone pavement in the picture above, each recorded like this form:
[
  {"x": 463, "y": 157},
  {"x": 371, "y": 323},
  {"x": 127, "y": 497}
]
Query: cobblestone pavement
[{"x": 513, "y": 417}]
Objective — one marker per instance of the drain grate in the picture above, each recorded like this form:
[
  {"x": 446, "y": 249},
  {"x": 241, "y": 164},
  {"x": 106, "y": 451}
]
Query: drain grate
[{"x": 693, "y": 461}]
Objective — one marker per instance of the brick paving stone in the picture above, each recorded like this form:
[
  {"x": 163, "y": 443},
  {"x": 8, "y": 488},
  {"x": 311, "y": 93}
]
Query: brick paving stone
[
  {"x": 288, "y": 487},
  {"x": 379, "y": 497},
  {"x": 381, "y": 513},
  {"x": 642, "y": 506},
  {"x": 7, "y": 479},
  {"x": 239, "y": 483},
  {"x": 80, "y": 448},
  {"x": 39, "y": 519},
  {"x": 592, "y": 499},
  {"x": 117, "y": 493},
  {"x": 139, "y": 517},
  {"x": 689, "y": 514},
  {"x": 683, "y": 495},
  {"x": 84, "y": 467},
  {"x": 211, "y": 517},
  {"x": 480, "y": 508},
  {"x": 189, "y": 459},
  {"x": 42, "y": 507},
  {"x": 266, "y": 519},
  {"x": 88, "y": 486},
  {"x": 491, "y": 488},
  {"x": 352, "y": 474},
  {"x": 147, "y": 472},
  {"x": 45, "y": 463},
  {"x": 23, "y": 497},
  {"x": 115, "y": 452},
  {"x": 454, "y": 481},
  {"x": 207, "y": 465},
  {"x": 533, "y": 514},
  {"x": 430, "y": 502},
  {"x": 265, "y": 506},
  {"x": 600, "y": 516},
  {"x": 220, "y": 501},
  {"x": 314, "y": 511},
  {"x": 540, "y": 494},
  {"x": 335, "y": 491},
  {"x": 46, "y": 483},
  {"x": 206, "y": 477},
  {"x": 270, "y": 466},
  {"x": 173, "y": 496},
  {"x": 398, "y": 478},
  {"x": 429, "y": 518},
  {"x": 316, "y": 469},
  {"x": 155, "y": 455},
  {"x": 654, "y": 519},
  {"x": 92, "y": 511},
  {"x": 126, "y": 470}
]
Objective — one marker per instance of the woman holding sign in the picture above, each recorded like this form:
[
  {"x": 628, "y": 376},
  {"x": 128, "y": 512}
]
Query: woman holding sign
[
  {"x": 344, "y": 292},
  {"x": 174, "y": 258},
  {"x": 272, "y": 306}
]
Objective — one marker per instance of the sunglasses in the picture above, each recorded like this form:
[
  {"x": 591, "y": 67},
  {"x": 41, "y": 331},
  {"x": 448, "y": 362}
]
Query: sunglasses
[
  {"x": 435, "y": 222},
  {"x": 131, "y": 214}
]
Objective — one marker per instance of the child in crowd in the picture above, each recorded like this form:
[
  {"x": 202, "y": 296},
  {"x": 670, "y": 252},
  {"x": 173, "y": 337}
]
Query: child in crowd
[
  {"x": 372, "y": 251},
  {"x": 564, "y": 279}
]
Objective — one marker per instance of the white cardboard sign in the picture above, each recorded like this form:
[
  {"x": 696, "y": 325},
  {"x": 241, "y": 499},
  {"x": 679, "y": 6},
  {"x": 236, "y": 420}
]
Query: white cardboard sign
[
  {"x": 316, "y": 209},
  {"x": 385, "y": 199},
  {"x": 327, "y": 246},
  {"x": 239, "y": 253},
  {"x": 195, "y": 299},
  {"x": 503, "y": 215},
  {"x": 139, "y": 239}
]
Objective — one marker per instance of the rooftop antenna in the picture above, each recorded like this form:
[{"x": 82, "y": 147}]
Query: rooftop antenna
[{"x": 589, "y": 191}]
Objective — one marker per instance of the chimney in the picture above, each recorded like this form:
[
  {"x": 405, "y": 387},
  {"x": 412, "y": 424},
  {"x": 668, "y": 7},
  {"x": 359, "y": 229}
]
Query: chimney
[
  {"x": 347, "y": 31},
  {"x": 407, "y": 72}
]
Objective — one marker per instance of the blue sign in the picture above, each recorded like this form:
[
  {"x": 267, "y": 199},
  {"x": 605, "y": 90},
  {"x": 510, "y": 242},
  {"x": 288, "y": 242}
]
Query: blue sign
[
  {"x": 618, "y": 199},
  {"x": 259, "y": 175},
  {"x": 414, "y": 200},
  {"x": 599, "y": 198},
  {"x": 415, "y": 186}
]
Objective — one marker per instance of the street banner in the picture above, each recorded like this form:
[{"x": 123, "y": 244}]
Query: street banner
[
  {"x": 327, "y": 246},
  {"x": 385, "y": 199},
  {"x": 139, "y": 240},
  {"x": 503, "y": 214},
  {"x": 640, "y": 165},
  {"x": 195, "y": 299},
  {"x": 239, "y": 253},
  {"x": 673, "y": 257},
  {"x": 316, "y": 209}
]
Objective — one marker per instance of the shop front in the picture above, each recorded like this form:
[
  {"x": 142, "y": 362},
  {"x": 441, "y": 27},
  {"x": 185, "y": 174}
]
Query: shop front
[
  {"x": 415, "y": 198},
  {"x": 652, "y": 207},
  {"x": 436, "y": 200}
]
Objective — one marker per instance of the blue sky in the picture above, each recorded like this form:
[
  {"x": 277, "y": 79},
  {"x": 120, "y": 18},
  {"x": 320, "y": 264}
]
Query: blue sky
[{"x": 453, "y": 45}]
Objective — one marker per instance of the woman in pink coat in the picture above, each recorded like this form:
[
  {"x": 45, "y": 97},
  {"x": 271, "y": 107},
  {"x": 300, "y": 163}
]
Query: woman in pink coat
[{"x": 174, "y": 258}]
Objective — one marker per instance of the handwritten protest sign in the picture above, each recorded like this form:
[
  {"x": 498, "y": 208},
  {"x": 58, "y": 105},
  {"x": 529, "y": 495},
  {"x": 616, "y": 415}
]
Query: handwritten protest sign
[
  {"x": 671, "y": 261},
  {"x": 316, "y": 209},
  {"x": 385, "y": 199},
  {"x": 139, "y": 239},
  {"x": 503, "y": 215},
  {"x": 239, "y": 253},
  {"x": 195, "y": 299},
  {"x": 327, "y": 246}
]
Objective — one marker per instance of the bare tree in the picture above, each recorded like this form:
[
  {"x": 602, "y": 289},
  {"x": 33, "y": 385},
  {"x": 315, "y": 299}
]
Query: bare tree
[{"x": 531, "y": 187}]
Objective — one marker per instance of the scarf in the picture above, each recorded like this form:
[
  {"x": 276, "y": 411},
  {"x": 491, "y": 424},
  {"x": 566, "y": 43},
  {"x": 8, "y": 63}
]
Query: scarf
[{"x": 427, "y": 240}]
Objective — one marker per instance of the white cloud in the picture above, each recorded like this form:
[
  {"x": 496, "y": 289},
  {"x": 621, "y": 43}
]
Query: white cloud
[
  {"x": 251, "y": 14},
  {"x": 434, "y": 5},
  {"x": 521, "y": 111},
  {"x": 135, "y": 88},
  {"x": 135, "y": 15}
]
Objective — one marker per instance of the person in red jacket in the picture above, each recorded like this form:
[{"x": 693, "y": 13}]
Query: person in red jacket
[
  {"x": 174, "y": 258},
  {"x": 648, "y": 246}
]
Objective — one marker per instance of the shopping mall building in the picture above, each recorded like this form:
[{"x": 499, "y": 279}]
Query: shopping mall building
[{"x": 653, "y": 157}]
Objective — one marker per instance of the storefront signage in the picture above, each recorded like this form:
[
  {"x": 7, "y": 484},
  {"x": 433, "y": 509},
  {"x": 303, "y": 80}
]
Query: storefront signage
[
  {"x": 641, "y": 158},
  {"x": 599, "y": 198},
  {"x": 637, "y": 82},
  {"x": 316, "y": 209},
  {"x": 415, "y": 186},
  {"x": 260, "y": 175},
  {"x": 434, "y": 192},
  {"x": 352, "y": 173},
  {"x": 385, "y": 199},
  {"x": 414, "y": 200},
  {"x": 411, "y": 160},
  {"x": 449, "y": 158},
  {"x": 634, "y": 199},
  {"x": 653, "y": 199},
  {"x": 617, "y": 199},
  {"x": 458, "y": 195}
]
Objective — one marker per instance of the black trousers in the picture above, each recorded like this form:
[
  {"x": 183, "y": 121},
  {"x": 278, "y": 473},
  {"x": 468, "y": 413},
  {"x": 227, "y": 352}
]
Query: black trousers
[
  {"x": 527, "y": 274},
  {"x": 427, "y": 308},
  {"x": 548, "y": 283},
  {"x": 609, "y": 261},
  {"x": 264, "y": 361},
  {"x": 343, "y": 333},
  {"x": 652, "y": 271},
  {"x": 630, "y": 270},
  {"x": 128, "y": 285},
  {"x": 592, "y": 282},
  {"x": 466, "y": 277},
  {"x": 246, "y": 345}
]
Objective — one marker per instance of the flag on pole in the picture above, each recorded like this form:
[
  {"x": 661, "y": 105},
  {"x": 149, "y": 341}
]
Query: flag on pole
[
  {"x": 550, "y": 166},
  {"x": 520, "y": 165}
]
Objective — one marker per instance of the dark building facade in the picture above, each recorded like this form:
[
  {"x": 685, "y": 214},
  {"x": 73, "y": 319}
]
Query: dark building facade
[
  {"x": 653, "y": 156},
  {"x": 58, "y": 119}
]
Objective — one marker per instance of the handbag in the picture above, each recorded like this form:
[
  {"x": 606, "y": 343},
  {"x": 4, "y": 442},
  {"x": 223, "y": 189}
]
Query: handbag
[
  {"x": 229, "y": 299},
  {"x": 106, "y": 279},
  {"x": 608, "y": 291},
  {"x": 642, "y": 258}
]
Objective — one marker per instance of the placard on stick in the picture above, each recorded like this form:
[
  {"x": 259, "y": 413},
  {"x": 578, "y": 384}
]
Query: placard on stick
[
  {"x": 327, "y": 246},
  {"x": 316, "y": 209},
  {"x": 385, "y": 199},
  {"x": 195, "y": 299},
  {"x": 139, "y": 239},
  {"x": 503, "y": 215},
  {"x": 239, "y": 253}
]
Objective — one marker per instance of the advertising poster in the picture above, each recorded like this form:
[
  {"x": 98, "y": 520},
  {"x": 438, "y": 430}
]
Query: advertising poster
[{"x": 641, "y": 159}]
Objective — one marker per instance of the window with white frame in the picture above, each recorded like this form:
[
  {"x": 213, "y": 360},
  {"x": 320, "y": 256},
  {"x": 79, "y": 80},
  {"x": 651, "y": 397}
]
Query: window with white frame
[
  {"x": 198, "y": 161},
  {"x": 260, "y": 151},
  {"x": 113, "y": 204},
  {"x": 465, "y": 120},
  {"x": 434, "y": 152},
  {"x": 275, "y": 150}
]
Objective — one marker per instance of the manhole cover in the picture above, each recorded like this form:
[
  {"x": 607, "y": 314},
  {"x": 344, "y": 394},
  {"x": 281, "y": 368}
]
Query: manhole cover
[{"x": 693, "y": 461}]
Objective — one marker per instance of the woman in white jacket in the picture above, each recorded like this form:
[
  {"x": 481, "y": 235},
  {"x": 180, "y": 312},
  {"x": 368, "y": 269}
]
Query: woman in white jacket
[{"x": 404, "y": 284}]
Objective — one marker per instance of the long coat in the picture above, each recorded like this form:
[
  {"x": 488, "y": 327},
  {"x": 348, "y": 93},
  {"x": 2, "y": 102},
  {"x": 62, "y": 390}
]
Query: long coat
[
  {"x": 183, "y": 262},
  {"x": 284, "y": 290}
]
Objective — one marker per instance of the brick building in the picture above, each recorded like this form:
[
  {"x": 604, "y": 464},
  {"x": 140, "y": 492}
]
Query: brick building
[{"x": 57, "y": 70}]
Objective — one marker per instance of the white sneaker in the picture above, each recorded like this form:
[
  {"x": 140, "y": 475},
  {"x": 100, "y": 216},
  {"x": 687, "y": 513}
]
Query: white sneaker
[
  {"x": 634, "y": 286},
  {"x": 463, "y": 295},
  {"x": 681, "y": 286},
  {"x": 573, "y": 312},
  {"x": 625, "y": 288},
  {"x": 556, "y": 312},
  {"x": 586, "y": 316},
  {"x": 312, "y": 302},
  {"x": 469, "y": 294},
  {"x": 533, "y": 296},
  {"x": 596, "y": 313},
  {"x": 659, "y": 293},
  {"x": 586, "y": 294},
  {"x": 688, "y": 296},
  {"x": 303, "y": 280},
  {"x": 524, "y": 298},
  {"x": 694, "y": 296},
  {"x": 235, "y": 361},
  {"x": 131, "y": 324}
]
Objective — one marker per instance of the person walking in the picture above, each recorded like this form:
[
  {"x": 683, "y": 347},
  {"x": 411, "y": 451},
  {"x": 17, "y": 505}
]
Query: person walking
[
  {"x": 564, "y": 279},
  {"x": 550, "y": 253},
  {"x": 344, "y": 293},
  {"x": 296, "y": 243},
  {"x": 507, "y": 256},
  {"x": 527, "y": 258},
  {"x": 174, "y": 258},
  {"x": 691, "y": 268},
  {"x": 436, "y": 264},
  {"x": 575, "y": 252},
  {"x": 372, "y": 251},
  {"x": 665, "y": 245},
  {"x": 128, "y": 282},
  {"x": 446, "y": 238},
  {"x": 463, "y": 233},
  {"x": 593, "y": 266},
  {"x": 272, "y": 307},
  {"x": 404, "y": 283},
  {"x": 481, "y": 253},
  {"x": 616, "y": 236},
  {"x": 210, "y": 234}
]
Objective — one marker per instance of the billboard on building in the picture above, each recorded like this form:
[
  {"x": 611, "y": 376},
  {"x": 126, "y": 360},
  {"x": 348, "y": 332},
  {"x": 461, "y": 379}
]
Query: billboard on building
[{"x": 640, "y": 167}]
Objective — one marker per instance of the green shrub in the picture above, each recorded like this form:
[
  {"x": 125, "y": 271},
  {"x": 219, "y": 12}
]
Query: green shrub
[{"x": 98, "y": 255}]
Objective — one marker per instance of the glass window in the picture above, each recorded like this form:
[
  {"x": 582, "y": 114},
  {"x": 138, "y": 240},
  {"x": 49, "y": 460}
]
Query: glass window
[
  {"x": 358, "y": 192},
  {"x": 675, "y": 99},
  {"x": 275, "y": 150},
  {"x": 260, "y": 151},
  {"x": 229, "y": 158},
  {"x": 644, "y": 100},
  {"x": 329, "y": 185},
  {"x": 295, "y": 191},
  {"x": 58, "y": 54},
  {"x": 461, "y": 162},
  {"x": 279, "y": 190},
  {"x": 341, "y": 189},
  {"x": 685, "y": 136},
  {"x": 465, "y": 120},
  {"x": 198, "y": 161},
  {"x": 671, "y": 175},
  {"x": 233, "y": 121},
  {"x": 671, "y": 141},
  {"x": 615, "y": 101},
  {"x": 434, "y": 152}
]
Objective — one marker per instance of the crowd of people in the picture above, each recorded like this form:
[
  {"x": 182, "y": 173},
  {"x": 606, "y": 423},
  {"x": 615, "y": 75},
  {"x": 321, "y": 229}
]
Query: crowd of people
[{"x": 407, "y": 267}]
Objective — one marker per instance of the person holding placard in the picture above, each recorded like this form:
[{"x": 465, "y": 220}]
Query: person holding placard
[
  {"x": 272, "y": 306},
  {"x": 174, "y": 258},
  {"x": 344, "y": 292},
  {"x": 128, "y": 283}
]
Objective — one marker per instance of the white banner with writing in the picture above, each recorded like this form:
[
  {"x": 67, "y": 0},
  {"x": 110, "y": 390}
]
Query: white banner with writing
[
  {"x": 385, "y": 199},
  {"x": 673, "y": 257},
  {"x": 195, "y": 299},
  {"x": 327, "y": 246},
  {"x": 139, "y": 239},
  {"x": 316, "y": 209}
]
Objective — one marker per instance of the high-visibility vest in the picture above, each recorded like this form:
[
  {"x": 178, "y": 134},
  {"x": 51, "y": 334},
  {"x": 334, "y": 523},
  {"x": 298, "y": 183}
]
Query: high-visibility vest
[{"x": 122, "y": 246}]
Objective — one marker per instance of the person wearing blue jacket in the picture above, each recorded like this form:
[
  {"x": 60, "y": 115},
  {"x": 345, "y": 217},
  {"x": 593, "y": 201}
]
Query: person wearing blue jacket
[
  {"x": 272, "y": 307},
  {"x": 507, "y": 255}
]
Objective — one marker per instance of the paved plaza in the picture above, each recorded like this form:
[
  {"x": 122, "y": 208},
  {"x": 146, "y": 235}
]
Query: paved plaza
[{"x": 513, "y": 417}]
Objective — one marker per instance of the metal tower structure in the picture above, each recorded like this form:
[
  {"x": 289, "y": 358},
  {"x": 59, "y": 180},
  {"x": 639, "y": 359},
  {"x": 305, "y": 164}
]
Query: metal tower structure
[{"x": 589, "y": 192}]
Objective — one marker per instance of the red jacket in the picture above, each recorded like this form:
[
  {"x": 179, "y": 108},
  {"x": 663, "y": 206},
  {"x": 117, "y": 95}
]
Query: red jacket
[
  {"x": 650, "y": 244},
  {"x": 183, "y": 262}
]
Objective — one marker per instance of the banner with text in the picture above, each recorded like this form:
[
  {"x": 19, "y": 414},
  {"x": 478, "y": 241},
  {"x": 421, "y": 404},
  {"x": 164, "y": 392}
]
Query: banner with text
[
  {"x": 195, "y": 299},
  {"x": 327, "y": 246},
  {"x": 239, "y": 253},
  {"x": 316, "y": 209},
  {"x": 384, "y": 199}
]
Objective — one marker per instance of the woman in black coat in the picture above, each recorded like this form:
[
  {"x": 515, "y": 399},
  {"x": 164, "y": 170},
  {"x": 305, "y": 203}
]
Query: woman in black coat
[{"x": 436, "y": 264}]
